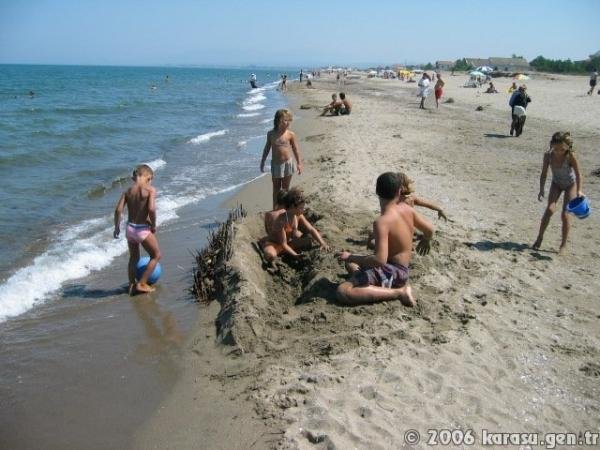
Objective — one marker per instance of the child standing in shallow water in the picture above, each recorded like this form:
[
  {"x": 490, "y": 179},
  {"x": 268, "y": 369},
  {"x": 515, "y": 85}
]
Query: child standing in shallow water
[
  {"x": 566, "y": 177},
  {"x": 284, "y": 144},
  {"x": 141, "y": 226}
]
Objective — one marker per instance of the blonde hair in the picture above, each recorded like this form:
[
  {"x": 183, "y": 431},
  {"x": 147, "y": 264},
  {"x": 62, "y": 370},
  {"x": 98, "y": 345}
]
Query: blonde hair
[
  {"x": 563, "y": 137},
  {"x": 142, "y": 169},
  {"x": 407, "y": 186},
  {"x": 280, "y": 114}
]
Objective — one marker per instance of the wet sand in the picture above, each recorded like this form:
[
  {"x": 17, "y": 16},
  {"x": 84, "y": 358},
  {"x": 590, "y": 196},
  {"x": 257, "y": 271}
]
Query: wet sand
[
  {"x": 88, "y": 368},
  {"x": 503, "y": 338}
]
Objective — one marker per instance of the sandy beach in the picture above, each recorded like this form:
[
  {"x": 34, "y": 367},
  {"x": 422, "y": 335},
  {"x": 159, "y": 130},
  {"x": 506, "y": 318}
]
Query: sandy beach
[{"x": 503, "y": 338}]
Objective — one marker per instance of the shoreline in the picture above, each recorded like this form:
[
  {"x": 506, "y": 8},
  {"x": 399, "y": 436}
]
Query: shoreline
[{"x": 501, "y": 337}]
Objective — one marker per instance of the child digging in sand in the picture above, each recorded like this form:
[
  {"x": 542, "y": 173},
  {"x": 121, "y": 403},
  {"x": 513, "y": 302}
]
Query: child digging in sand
[
  {"x": 141, "y": 226},
  {"x": 284, "y": 144},
  {"x": 283, "y": 226},
  {"x": 566, "y": 177},
  {"x": 407, "y": 196},
  {"x": 384, "y": 275}
]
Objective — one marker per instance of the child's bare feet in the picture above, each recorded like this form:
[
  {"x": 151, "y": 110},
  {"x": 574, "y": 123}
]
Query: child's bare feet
[
  {"x": 144, "y": 288},
  {"x": 131, "y": 290},
  {"x": 406, "y": 298},
  {"x": 537, "y": 244},
  {"x": 562, "y": 251}
]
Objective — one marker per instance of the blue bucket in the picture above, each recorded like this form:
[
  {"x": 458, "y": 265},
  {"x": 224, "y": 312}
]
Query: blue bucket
[
  {"x": 580, "y": 207},
  {"x": 141, "y": 267}
]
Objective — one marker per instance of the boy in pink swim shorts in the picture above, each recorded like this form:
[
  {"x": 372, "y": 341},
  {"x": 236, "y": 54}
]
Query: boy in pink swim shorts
[{"x": 141, "y": 226}]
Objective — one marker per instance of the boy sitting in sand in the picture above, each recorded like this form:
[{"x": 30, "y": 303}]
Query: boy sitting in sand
[
  {"x": 283, "y": 226},
  {"x": 407, "y": 196},
  {"x": 346, "y": 107},
  {"x": 284, "y": 143},
  {"x": 333, "y": 107},
  {"x": 384, "y": 275},
  {"x": 141, "y": 226}
]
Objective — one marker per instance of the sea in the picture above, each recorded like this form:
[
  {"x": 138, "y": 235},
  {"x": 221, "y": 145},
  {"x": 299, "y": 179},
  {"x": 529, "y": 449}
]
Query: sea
[
  {"x": 67, "y": 151},
  {"x": 70, "y": 137}
]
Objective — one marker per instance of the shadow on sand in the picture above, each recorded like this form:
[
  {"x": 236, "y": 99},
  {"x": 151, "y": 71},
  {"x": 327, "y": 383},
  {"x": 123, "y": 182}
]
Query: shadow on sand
[
  {"x": 486, "y": 246},
  {"x": 81, "y": 291},
  {"x": 497, "y": 136}
]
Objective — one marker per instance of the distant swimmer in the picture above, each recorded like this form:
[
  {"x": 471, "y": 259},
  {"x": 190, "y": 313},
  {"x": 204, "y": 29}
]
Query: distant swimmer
[
  {"x": 31, "y": 94},
  {"x": 167, "y": 79},
  {"x": 253, "y": 81},
  {"x": 154, "y": 87}
]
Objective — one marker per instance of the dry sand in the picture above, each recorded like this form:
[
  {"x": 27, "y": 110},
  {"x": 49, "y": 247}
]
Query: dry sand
[{"x": 503, "y": 338}]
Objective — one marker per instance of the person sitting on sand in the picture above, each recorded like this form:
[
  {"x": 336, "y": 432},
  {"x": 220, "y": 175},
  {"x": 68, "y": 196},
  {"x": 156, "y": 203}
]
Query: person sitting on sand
[
  {"x": 408, "y": 196},
  {"x": 566, "y": 177},
  {"x": 333, "y": 107},
  {"x": 384, "y": 275},
  {"x": 491, "y": 89},
  {"x": 513, "y": 88},
  {"x": 346, "y": 107},
  {"x": 283, "y": 226}
]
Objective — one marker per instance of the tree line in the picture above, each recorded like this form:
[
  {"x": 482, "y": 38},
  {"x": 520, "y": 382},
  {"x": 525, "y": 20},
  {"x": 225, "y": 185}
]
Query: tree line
[{"x": 542, "y": 64}]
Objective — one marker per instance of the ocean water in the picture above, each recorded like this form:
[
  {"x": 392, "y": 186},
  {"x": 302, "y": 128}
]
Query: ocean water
[{"x": 68, "y": 150}]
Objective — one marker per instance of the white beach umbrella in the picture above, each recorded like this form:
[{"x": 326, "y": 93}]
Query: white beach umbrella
[
  {"x": 484, "y": 69},
  {"x": 476, "y": 73}
]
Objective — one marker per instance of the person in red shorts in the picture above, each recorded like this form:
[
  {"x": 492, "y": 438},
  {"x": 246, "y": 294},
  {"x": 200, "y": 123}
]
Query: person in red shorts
[{"x": 438, "y": 90}]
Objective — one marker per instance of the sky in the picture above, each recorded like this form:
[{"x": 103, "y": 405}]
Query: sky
[{"x": 292, "y": 33}]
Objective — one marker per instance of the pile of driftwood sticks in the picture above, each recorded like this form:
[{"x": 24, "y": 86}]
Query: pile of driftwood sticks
[{"x": 211, "y": 262}]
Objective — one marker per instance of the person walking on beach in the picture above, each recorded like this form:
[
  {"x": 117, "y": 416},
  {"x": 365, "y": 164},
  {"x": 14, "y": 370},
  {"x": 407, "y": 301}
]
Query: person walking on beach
[
  {"x": 518, "y": 102},
  {"x": 384, "y": 275},
  {"x": 438, "y": 90},
  {"x": 140, "y": 200},
  {"x": 593, "y": 81},
  {"x": 284, "y": 144},
  {"x": 566, "y": 177},
  {"x": 283, "y": 82},
  {"x": 283, "y": 226},
  {"x": 423, "y": 89}
]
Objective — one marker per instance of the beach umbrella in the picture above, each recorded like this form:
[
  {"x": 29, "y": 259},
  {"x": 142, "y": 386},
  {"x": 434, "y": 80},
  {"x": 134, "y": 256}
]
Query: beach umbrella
[
  {"x": 484, "y": 69},
  {"x": 476, "y": 73}
]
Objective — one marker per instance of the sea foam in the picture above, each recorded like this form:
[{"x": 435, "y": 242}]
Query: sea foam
[
  {"x": 77, "y": 252},
  {"x": 207, "y": 136}
]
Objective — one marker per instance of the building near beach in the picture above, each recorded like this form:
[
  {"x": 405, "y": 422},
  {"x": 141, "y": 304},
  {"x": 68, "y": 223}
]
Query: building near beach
[{"x": 444, "y": 65}]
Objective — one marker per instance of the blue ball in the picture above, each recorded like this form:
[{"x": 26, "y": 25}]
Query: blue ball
[{"x": 141, "y": 266}]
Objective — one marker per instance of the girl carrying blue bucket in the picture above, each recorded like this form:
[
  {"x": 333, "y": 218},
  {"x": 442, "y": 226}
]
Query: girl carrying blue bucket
[{"x": 566, "y": 177}]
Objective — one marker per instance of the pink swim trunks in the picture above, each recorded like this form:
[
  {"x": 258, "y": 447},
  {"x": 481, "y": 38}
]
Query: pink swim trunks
[{"x": 136, "y": 233}]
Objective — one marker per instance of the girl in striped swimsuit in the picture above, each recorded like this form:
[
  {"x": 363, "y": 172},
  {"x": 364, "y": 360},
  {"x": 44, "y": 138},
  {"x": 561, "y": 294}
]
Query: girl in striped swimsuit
[{"x": 566, "y": 177}]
